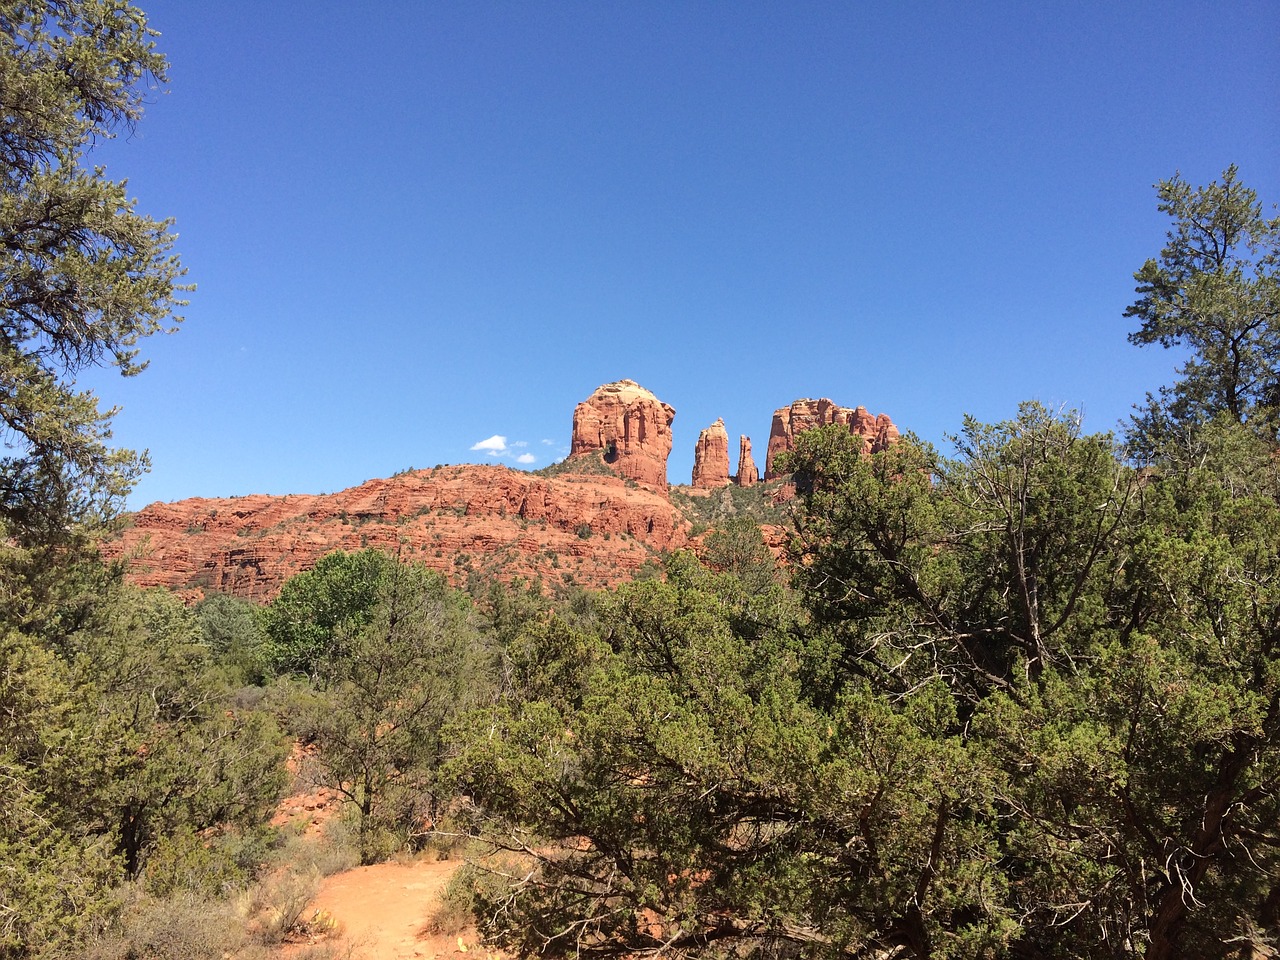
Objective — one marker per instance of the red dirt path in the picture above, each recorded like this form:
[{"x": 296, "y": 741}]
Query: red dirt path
[{"x": 381, "y": 912}]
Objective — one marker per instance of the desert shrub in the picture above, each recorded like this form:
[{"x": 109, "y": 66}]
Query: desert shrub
[
  {"x": 335, "y": 849},
  {"x": 456, "y": 909},
  {"x": 278, "y": 903},
  {"x": 186, "y": 861},
  {"x": 186, "y": 926},
  {"x": 474, "y": 890},
  {"x": 232, "y": 629}
]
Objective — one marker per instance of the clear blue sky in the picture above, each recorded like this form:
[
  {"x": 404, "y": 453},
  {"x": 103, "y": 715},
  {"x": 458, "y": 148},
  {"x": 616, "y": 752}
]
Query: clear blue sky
[{"x": 415, "y": 226}]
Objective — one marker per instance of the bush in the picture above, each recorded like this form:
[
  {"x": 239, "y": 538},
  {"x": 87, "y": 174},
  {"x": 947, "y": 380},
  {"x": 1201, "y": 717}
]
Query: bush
[
  {"x": 456, "y": 910},
  {"x": 336, "y": 849},
  {"x": 277, "y": 904},
  {"x": 185, "y": 926}
]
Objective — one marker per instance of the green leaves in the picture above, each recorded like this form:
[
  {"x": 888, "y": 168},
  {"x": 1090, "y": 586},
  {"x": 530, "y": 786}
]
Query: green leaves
[
  {"x": 404, "y": 657},
  {"x": 338, "y": 594},
  {"x": 690, "y": 792},
  {"x": 83, "y": 276},
  {"x": 1214, "y": 289},
  {"x": 1034, "y": 711}
]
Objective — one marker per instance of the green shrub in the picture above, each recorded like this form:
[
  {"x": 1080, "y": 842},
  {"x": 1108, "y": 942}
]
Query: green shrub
[{"x": 186, "y": 926}]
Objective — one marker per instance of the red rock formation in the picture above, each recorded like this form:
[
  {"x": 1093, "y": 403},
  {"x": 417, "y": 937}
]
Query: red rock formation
[
  {"x": 711, "y": 458},
  {"x": 748, "y": 474},
  {"x": 877, "y": 432},
  {"x": 631, "y": 426},
  {"x": 507, "y": 523}
]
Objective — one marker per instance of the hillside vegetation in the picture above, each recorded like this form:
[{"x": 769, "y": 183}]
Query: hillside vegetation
[{"x": 1020, "y": 701}]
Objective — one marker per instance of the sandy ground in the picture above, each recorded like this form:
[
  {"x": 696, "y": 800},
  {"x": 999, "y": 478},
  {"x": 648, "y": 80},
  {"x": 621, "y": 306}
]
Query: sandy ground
[{"x": 381, "y": 912}]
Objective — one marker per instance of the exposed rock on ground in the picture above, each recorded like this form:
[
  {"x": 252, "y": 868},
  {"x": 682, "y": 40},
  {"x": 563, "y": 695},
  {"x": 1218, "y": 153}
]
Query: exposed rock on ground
[{"x": 632, "y": 429}]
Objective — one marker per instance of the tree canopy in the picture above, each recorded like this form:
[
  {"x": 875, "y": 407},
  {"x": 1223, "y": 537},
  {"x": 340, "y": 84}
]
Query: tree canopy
[
  {"x": 1019, "y": 701},
  {"x": 1215, "y": 290},
  {"x": 83, "y": 275}
]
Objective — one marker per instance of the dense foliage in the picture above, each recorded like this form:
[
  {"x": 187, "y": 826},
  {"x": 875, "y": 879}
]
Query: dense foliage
[
  {"x": 406, "y": 655},
  {"x": 1215, "y": 290},
  {"x": 1021, "y": 701}
]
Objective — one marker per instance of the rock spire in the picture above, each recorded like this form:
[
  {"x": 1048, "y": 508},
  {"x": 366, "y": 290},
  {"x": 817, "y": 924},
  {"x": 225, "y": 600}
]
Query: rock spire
[
  {"x": 748, "y": 474},
  {"x": 876, "y": 432},
  {"x": 711, "y": 458}
]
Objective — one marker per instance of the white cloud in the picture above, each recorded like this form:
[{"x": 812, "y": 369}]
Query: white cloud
[
  {"x": 521, "y": 443},
  {"x": 494, "y": 445},
  {"x": 549, "y": 443},
  {"x": 526, "y": 458}
]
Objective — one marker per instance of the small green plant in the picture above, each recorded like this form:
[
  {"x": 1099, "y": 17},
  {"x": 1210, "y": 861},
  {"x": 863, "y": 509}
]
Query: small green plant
[
  {"x": 587, "y": 464},
  {"x": 456, "y": 909}
]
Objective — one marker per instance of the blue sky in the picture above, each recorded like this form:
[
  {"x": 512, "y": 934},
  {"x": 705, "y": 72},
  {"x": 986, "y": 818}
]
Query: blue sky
[{"x": 417, "y": 226}]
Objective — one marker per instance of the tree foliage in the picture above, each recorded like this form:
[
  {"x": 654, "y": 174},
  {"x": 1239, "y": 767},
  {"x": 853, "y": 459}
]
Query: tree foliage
[
  {"x": 1031, "y": 710},
  {"x": 83, "y": 275},
  {"x": 119, "y": 739},
  {"x": 386, "y": 687},
  {"x": 339, "y": 594},
  {"x": 1215, "y": 290}
]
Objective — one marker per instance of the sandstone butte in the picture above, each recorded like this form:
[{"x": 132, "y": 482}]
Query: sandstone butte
[
  {"x": 629, "y": 427},
  {"x": 877, "y": 432},
  {"x": 711, "y": 458},
  {"x": 582, "y": 527},
  {"x": 597, "y": 530}
]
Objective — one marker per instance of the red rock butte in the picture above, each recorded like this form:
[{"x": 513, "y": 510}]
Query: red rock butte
[
  {"x": 462, "y": 520},
  {"x": 568, "y": 524},
  {"x": 877, "y": 432},
  {"x": 629, "y": 427},
  {"x": 711, "y": 458}
]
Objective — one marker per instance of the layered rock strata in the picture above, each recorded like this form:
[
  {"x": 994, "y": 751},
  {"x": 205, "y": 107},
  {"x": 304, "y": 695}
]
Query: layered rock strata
[
  {"x": 629, "y": 427},
  {"x": 711, "y": 458},
  {"x": 877, "y": 432},
  {"x": 748, "y": 474},
  {"x": 462, "y": 521}
]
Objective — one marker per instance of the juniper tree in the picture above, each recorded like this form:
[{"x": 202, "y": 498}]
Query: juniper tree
[{"x": 1214, "y": 290}]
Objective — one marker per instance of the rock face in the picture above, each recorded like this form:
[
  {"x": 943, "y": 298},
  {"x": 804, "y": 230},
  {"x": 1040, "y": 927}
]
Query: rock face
[
  {"x": 711, "y": 458},
  {"x": 876, "y": 432},
  {"x": 464, "y": 520},
  {"x": 748, "y": 473},
  {"x": 477, "y": 521},
  {"x": 630, "y": 426}
]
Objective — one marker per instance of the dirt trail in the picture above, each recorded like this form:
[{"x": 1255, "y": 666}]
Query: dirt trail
[{"x": 381, "y": 912}]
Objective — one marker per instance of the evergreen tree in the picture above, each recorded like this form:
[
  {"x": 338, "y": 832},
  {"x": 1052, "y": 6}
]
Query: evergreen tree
[
  {"x": 1215, "y": 290},
  {"x": 83, "y": 275},
  {"x": 386, "y": 687}
]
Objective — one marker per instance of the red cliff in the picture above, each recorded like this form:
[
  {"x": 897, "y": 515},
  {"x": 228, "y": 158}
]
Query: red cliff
[
  {"x": 788, "y": 422},
  {"x": 630, "y": 427},
  {"x": 484, "y": 520}
]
